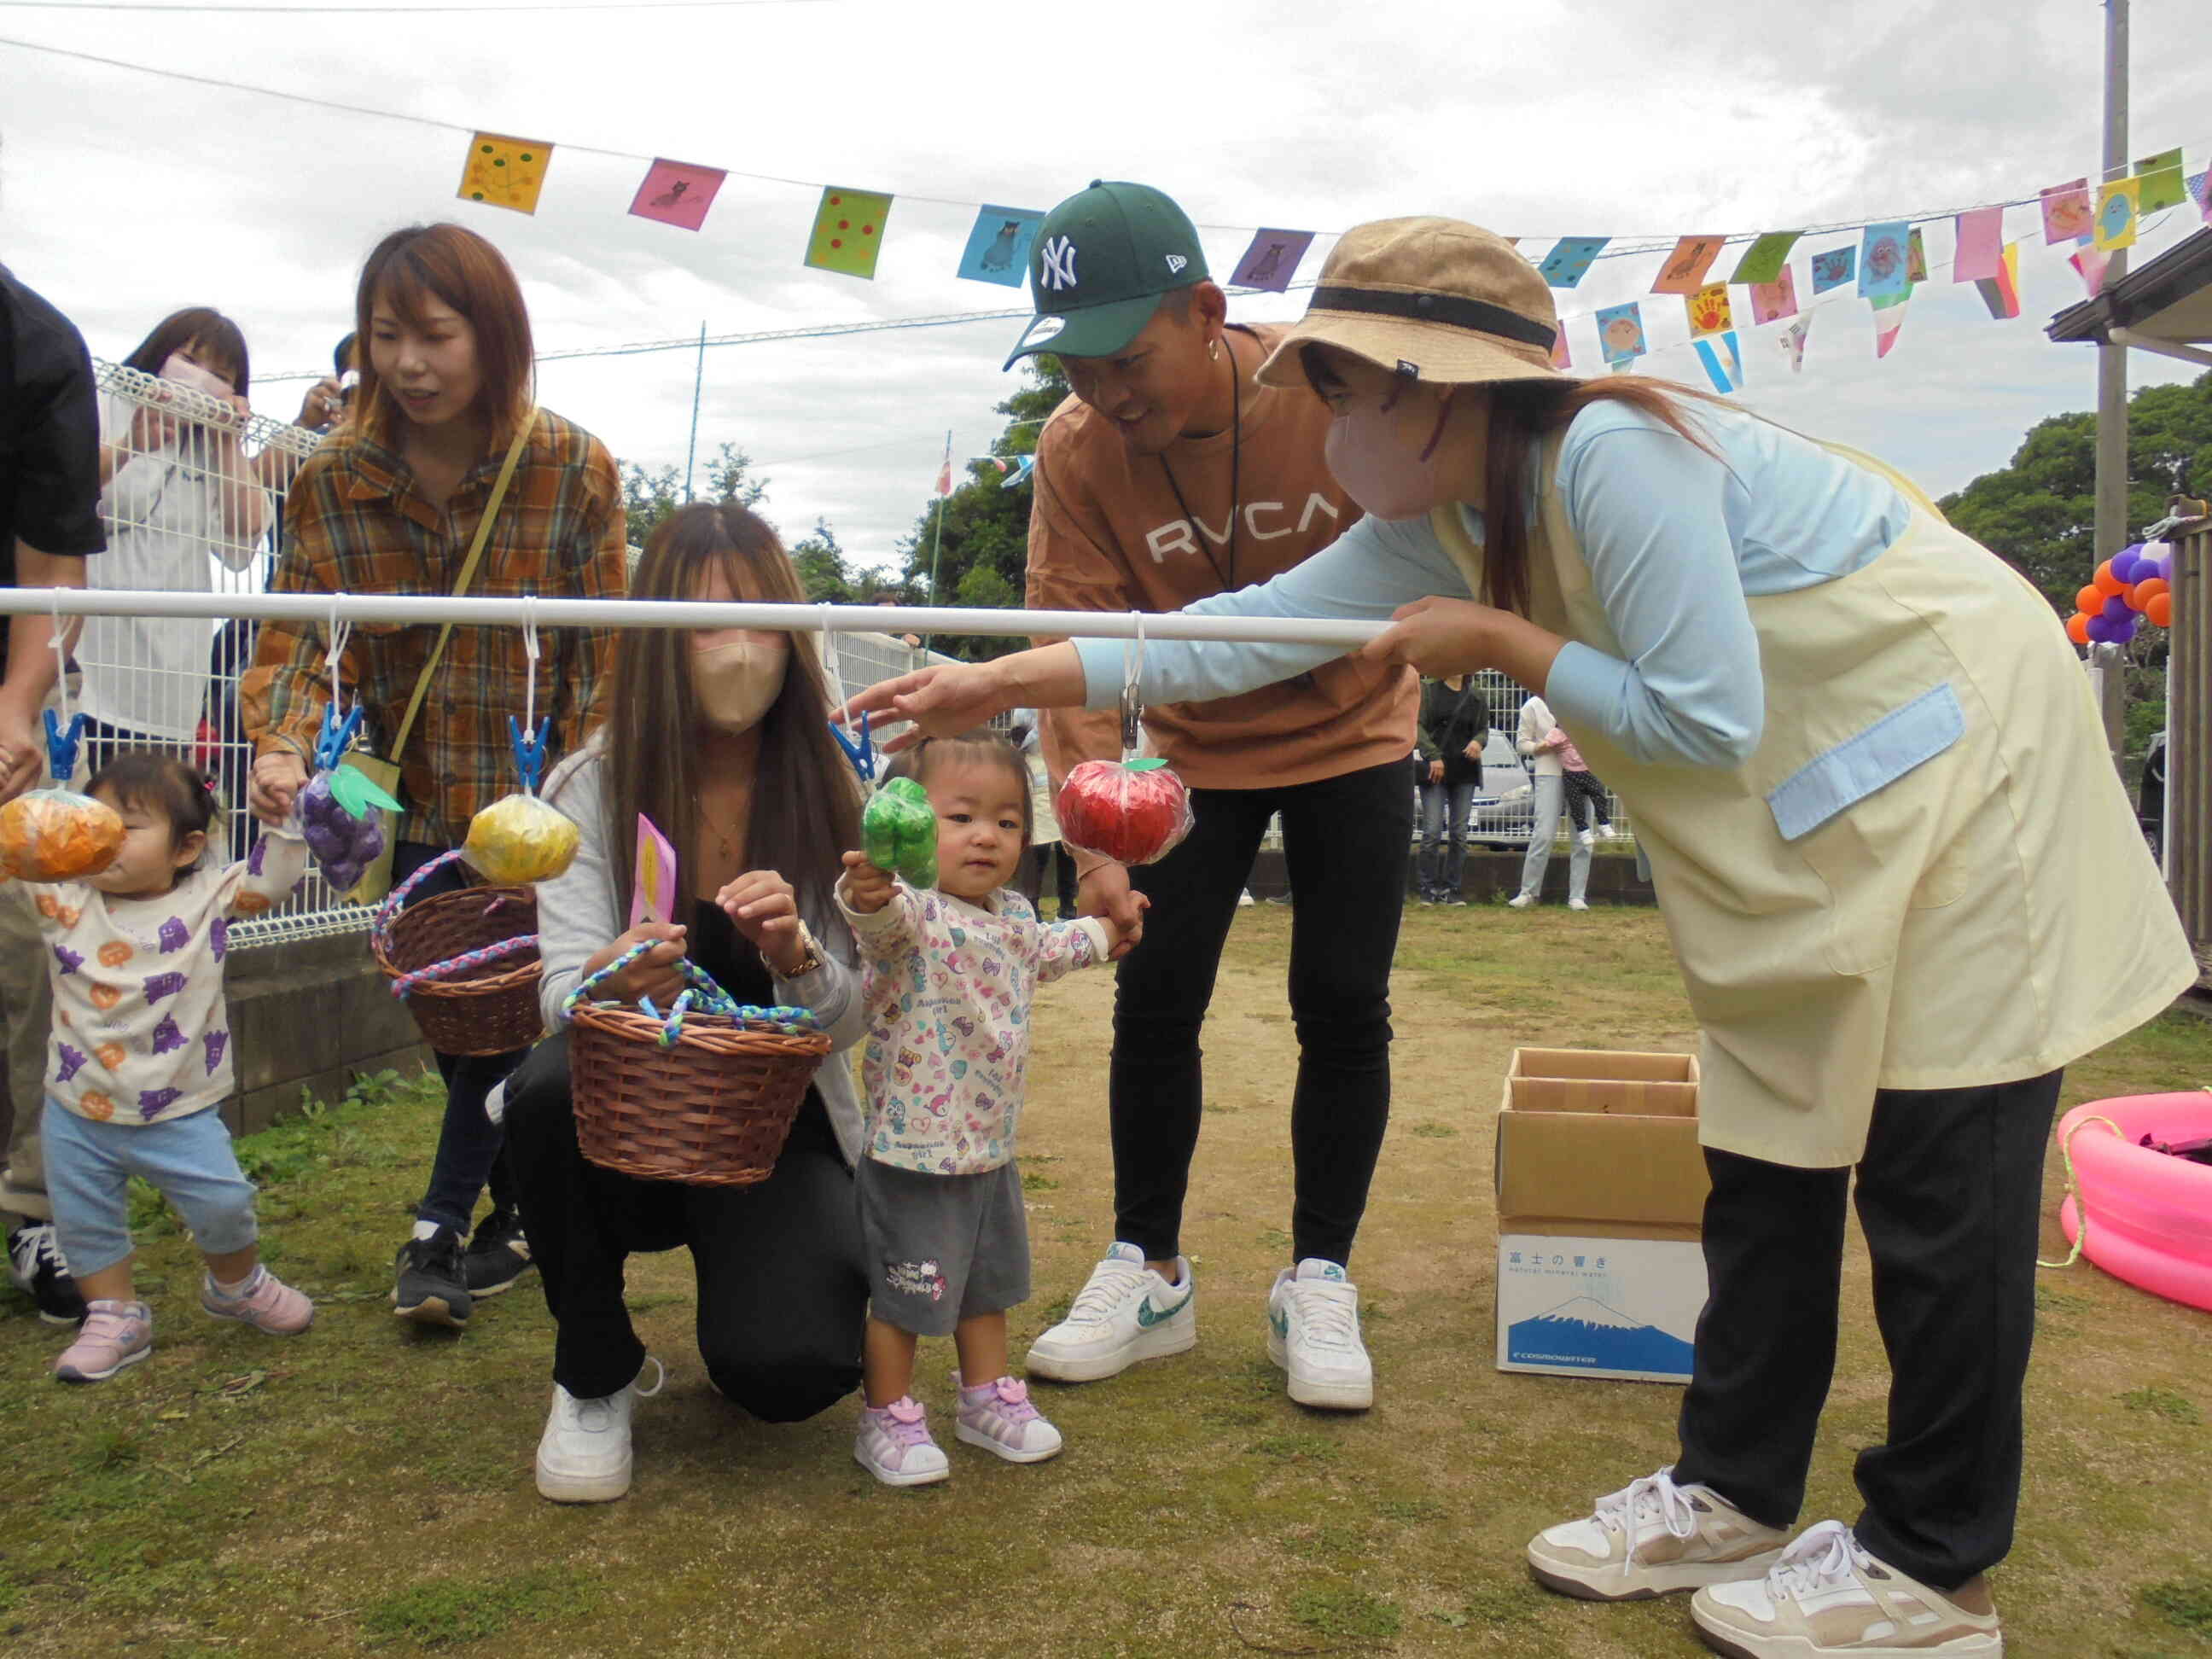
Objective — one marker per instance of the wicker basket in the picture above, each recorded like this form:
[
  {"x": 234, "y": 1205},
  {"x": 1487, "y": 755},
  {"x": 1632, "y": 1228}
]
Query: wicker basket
[
  {"x": 712, "y": 1109},
  {"x": 490, "y": 1008}
]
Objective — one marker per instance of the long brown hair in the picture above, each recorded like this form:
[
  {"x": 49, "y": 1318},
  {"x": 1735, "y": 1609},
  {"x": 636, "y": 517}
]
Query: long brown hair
[
  {"x": 805, "y": 800},
  {"x": 202, "y": 326},
  {"x": 466, "y": 272}
]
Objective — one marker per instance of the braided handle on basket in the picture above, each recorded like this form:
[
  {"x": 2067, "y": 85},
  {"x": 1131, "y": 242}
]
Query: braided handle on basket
[
  {"x": 702, "y": 994},
  {"x": 388, "y": 912},
  {"x": 396, "y": 901}
]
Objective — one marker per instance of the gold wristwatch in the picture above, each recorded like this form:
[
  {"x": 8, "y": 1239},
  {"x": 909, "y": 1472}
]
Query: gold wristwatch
[{"x": 810, "y": 956}]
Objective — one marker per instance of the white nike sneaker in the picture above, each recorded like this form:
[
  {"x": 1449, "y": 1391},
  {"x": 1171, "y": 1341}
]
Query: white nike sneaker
[
  {"x": 583, "y": 1457},
  {"x": 1125, "y": 1312},
  {"x": 1652, "y": 1537},
  {"x": 1313, "y": 1333}
]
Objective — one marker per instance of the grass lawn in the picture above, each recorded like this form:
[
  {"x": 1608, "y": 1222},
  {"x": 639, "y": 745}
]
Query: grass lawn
[{"x": 367, "y": 1487}]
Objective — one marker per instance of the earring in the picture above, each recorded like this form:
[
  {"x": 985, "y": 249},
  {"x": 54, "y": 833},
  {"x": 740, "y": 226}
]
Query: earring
[{"x": 1214, "y": 351}]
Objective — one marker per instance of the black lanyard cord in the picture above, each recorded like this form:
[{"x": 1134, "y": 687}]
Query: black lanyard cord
[{"x": 1226, "y": 577}]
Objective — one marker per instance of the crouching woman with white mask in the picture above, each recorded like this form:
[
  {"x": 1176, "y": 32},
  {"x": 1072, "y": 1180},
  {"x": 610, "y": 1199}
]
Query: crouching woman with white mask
[{"x": 721, "y": 738}]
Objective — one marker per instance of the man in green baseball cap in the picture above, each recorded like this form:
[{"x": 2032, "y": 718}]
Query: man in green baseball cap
[{"x": 1170, "y": 476}]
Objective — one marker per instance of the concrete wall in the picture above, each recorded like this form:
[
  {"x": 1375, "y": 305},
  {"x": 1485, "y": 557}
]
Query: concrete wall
[{"x": 312, "y": 1014}]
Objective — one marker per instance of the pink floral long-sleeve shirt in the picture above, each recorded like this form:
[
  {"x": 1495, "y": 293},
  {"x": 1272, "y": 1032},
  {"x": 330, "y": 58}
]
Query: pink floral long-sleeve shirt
[{"x": 948, "y": 990}]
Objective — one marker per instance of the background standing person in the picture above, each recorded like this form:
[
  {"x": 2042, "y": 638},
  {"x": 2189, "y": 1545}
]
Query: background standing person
[
  {"x": 1172, "y": 474},
  {"x": 390, "y": 503},
  {"x": 1540, "y": 739},
  {"x": 1586, "y": 802},
  {"x": 49, "y": 525},
  {"x": 1454, "y": 727}
]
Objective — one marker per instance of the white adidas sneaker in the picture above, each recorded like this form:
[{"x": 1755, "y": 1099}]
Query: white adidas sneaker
[
  {"x": 1313, "y": 1333},
  {"x": 1124, "y": 1313},
  {"x": 1652, "y": 1537},
  {"x": 583, "y": 1457}
]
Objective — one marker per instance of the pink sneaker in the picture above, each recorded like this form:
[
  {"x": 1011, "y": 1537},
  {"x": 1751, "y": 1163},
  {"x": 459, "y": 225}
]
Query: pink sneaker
[
  {"x": 893, "y": 1444},
  {"x": 268, "y": 1304},
  {"x": 998, "y": 1417},
  {"x": 114, "y": 1335}
]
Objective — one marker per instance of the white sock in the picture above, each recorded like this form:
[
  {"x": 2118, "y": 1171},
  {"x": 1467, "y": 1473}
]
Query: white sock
[
  {"x": 224, "y": 1287},
  {"x": 424, "y": 1229}
]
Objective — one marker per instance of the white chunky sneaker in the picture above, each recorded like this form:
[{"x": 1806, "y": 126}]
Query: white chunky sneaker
[
  {"x": 1124, "y": 1313},
  {"x": 1520, "y": 901},
  {"x": 1313, "y": 1333},
  {"x": 1652, "y": 1537},
  {"x": 583, "y": 1456},
  {"x": 1827, "y": 1595}
]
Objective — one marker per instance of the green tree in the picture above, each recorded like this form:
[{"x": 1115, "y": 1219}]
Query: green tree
[
  {"x": 983, "y": 558},
  {"x": 2040, "y": 513},
  {"x": 649, "y": 497},
  {"x": 829, "y": 574}
]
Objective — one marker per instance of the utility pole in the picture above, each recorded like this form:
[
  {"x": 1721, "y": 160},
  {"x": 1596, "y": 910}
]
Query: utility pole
[
  {"x": 698, "y": 382},
  {"x": 2112, "y": 487}
]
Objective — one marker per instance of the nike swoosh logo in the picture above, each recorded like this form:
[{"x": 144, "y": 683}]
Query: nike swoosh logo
[
  {"x": 1281, "y": 1322},
  {"x": 1148, "y": 1316}
]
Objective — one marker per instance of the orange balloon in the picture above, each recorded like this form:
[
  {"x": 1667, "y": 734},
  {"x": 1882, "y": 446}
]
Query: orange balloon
[
  {"x": 2161, "y": 610},
  {"x": 2132, "y": 599},
  {"x": 2104, "y": 581},
  {"x": 2090, "y": 601},
  {"x": 2077, "y": 629},
  {"x": 2148, "y": 589}
]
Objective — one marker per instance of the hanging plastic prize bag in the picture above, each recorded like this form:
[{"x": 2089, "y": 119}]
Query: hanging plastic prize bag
[
  {"x": 518, "y": 839},
  {"x": 1135, "y": 809},
  {"x": 55, "y": 834},
  {"x": 898, "y": 826}
]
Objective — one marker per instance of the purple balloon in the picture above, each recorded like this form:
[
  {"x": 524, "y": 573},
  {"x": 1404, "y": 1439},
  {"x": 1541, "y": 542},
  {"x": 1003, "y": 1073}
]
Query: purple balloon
[
  {"x": 2116, "y": 609},
  {"x": 2123, "y": 566}
]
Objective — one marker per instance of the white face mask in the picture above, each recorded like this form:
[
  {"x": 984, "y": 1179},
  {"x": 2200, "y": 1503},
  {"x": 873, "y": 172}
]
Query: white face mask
[
  {"x": 1368, "y": 453},
  {"x": 192, "y": 375},
  {"x": 736, "y": 683}
]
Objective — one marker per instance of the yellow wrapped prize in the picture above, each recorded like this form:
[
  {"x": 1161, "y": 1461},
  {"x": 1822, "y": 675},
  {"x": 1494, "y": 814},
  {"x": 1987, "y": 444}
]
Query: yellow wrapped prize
[{"x": 518, "y": 839}]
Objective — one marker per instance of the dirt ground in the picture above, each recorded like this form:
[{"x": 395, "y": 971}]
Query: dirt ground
[{"x": 368, "y": 1487}]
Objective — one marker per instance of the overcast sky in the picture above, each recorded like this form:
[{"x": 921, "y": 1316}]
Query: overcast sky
[{"x": 123, "y": 196}]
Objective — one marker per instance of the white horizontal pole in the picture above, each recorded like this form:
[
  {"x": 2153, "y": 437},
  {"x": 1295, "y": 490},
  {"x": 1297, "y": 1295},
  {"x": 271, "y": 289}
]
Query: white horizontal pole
[{"x": 413, "y": 608}]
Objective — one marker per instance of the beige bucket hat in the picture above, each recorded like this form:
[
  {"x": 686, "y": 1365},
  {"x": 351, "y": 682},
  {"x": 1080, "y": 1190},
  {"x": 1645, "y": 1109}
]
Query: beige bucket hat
[{"x": 1430, "y": 298}]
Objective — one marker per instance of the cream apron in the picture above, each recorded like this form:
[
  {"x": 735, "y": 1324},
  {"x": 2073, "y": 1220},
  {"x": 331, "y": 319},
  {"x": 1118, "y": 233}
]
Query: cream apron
[{"x": 1927, "y": 876}]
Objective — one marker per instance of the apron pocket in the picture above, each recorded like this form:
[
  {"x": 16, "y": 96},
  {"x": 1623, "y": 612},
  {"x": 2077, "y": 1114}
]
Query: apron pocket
[{"x": 1846, "y": 775}]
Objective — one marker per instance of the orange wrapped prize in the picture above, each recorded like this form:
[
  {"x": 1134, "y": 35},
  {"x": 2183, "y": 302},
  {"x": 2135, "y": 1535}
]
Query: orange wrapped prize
[{"x": 57, "y": 835}]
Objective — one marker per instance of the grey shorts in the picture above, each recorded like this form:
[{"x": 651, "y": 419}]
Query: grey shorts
[{"x": 942, "y": 1249}]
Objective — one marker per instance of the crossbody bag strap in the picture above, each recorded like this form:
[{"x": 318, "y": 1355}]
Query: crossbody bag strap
[{"x": 461, "y": 586}]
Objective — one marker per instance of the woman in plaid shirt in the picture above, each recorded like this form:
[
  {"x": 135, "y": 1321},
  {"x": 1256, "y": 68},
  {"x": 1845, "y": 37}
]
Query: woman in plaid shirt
[{"x": 389, "y": 504}]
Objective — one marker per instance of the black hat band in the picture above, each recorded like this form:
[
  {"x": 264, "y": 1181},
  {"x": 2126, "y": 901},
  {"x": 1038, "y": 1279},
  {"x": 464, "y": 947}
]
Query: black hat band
[{"x": 1478, "y": 316}]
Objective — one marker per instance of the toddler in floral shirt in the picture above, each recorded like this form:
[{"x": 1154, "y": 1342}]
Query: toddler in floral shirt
[
  {"x": 141, "y": 1057},
  {"x": 951, "y": 972}
]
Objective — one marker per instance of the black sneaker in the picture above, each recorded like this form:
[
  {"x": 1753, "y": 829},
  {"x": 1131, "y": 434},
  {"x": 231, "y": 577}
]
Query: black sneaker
[
  {"x": 38, "y": 1268},
  {"x": 432, "y": 1287},
  {"x": 498, "y": 1254}
]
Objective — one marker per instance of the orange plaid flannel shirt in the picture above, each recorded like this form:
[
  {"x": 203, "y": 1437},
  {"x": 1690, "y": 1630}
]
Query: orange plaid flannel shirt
[{"x": 357, "y": 522}]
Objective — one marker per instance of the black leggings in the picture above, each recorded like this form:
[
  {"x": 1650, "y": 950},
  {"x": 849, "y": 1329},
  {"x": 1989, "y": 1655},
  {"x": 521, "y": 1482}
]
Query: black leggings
[
  {"x": 781, "y": 1293},
  {"x": 1949, "y": 1195},
  {"x": 1585, "y": 797},
  {"x": 1345, "y": 841}
]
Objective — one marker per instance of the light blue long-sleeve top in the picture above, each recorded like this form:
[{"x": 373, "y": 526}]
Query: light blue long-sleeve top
[{"x": 1675, "y": 539}]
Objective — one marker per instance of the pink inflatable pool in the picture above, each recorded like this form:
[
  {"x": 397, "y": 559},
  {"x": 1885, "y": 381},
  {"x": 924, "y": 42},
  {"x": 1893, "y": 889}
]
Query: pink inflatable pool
[{"x": 2150, "y": 1213}]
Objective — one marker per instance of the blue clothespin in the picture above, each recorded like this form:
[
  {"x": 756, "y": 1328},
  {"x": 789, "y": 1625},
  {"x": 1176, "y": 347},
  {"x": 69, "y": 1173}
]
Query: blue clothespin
[
  {"x": 529, "y": 751},
  {"x": 61, "y": 747},
  {"x": 336, "y": 736},
  {"x": 861, "y": 753}
]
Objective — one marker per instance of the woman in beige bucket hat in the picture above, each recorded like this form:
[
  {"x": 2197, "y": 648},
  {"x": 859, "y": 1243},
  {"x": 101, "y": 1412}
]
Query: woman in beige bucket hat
[{"x": 1851, "y": 744}]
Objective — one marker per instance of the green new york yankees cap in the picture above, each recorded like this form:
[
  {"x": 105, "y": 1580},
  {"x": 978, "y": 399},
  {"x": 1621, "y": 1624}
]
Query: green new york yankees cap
[{"x": 1098, "y": 266}]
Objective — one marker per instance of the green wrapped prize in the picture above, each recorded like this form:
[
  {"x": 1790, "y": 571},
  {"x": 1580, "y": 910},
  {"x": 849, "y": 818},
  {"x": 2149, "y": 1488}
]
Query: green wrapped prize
[{"x": 899, "y": 832}]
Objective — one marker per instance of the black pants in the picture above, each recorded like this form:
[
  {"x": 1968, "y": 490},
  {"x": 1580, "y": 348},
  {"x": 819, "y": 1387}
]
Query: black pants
[
  {"x": 1585, "y": 797},
  {"x": 1053, "y": 858},
  {"x": 1346, "y": 842},
  {"x": 1949, "y": 1192},
  {"x": 468, "y": 1156},
  {"x": 782, "y": 1296}
]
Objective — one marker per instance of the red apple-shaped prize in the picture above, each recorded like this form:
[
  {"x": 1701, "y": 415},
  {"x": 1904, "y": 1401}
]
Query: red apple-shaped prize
[{"x": 1131, "y": 811}]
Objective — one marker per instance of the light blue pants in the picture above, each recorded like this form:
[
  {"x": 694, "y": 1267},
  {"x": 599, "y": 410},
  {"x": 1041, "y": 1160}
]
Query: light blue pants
[
  {"x": 1550, "y": 791},
  {"x": 188, "y": 1160}
]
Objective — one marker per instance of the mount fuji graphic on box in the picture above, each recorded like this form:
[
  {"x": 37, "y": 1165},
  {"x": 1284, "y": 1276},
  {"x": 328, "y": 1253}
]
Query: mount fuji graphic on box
[{"x": 1586, "y": 1333}]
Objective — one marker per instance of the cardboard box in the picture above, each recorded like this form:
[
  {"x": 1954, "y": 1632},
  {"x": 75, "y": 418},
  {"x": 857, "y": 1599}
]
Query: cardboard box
[{"x": 1601, "y": 1191}]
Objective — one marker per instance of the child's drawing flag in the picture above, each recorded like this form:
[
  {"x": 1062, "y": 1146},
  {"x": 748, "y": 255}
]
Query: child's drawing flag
[
  {"x": 506, "y": 172},
  {"x": 1685, "y": 267},
  {"x": 1771, "y": 301},
  {"x": 1885, "y": 262},
  {"x": 1561, "y": 356},
  {"x": 2200, "y": 187},
  {"x": 849, "y": 232},
  {"x": 2159, "y": 179},
  {"x": 1272, "y": 260},
  {"x": 1888, "y": 319},
  {"x": 676, "y": 193},
  {"x": 1765, "y": 260},
  {"x": 1793, "y": 342},
  {"x": 1834, "y": 268},
  {"x": 1724, "y": 368},
  {"x": 998, "y": 248},
  {"x": 1568, "y": 262},
  {"x": 1620, "y": 333},
  {"x": 1981, "y": 245},
  {"x": 2117, "y": 214},
  {"x": 2000, "y": 292},
  {"x": 2067, "y": 214},
  {"x": 1709, "y": 311},
  {"x": 653, "y": 886},
  {"x": 2090, "y": 263},
  {"x": 1915, "y": 257}
]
